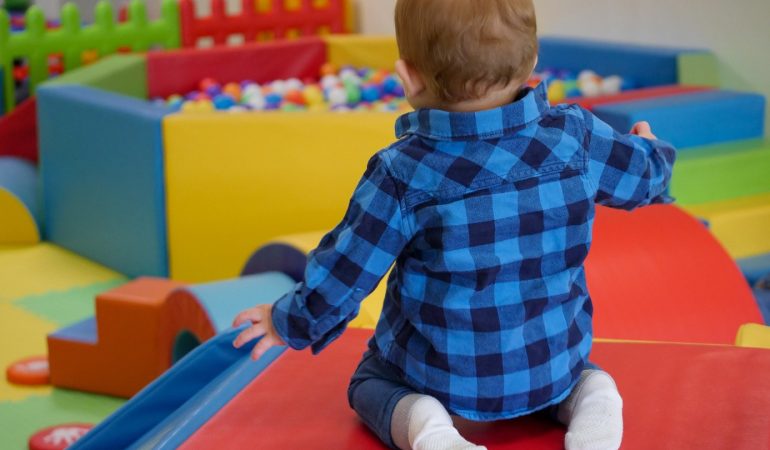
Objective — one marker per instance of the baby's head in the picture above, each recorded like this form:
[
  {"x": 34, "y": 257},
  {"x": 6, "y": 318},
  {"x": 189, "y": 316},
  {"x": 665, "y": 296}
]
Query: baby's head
[{"x": 457, "y": 54}]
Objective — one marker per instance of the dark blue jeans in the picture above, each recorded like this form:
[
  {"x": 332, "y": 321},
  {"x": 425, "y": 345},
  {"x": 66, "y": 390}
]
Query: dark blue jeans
[{"x": 375, "y": 389}]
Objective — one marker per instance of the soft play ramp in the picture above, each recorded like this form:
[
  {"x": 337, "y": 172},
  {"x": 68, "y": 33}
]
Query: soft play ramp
[
  {"x": 18, "y": 201},
  {"x": 218, "y": 398}
]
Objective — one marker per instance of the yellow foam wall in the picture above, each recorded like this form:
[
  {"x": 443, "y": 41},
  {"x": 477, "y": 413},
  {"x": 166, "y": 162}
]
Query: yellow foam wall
[
  {"x": 235, "y": 181},
  {"x": 742, "y": 225},
  {"x": 362, "y": 51},
  {"x": 370, "y": 307},
  {"x": 17, "y": 226}
]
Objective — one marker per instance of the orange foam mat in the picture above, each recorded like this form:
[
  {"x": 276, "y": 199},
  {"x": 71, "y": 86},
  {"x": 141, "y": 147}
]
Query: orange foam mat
[
  {"x": 676, "y": 396},
  {"x": 658, "y": 274}
]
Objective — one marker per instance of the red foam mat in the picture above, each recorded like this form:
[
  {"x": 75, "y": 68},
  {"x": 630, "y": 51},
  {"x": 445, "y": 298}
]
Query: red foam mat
[
  {"x": 180, "y": 71},
  {"x": 658, "y": 274},
  {"x": 676, "y": 396},
  {"x": 637, "y": 94}
]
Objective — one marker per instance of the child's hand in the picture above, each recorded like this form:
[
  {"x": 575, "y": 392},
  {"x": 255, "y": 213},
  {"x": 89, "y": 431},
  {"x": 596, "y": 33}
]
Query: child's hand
[
  {"x": 261, "y": 318},
  {"x": 643, "y": 129}
]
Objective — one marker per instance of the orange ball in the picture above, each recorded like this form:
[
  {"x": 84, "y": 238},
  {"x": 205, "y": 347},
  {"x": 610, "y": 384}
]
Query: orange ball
[
  {"x": 233, "y": 90},
  {"x": 328, "y": 69},
  {"x": 294, "y": 97}
]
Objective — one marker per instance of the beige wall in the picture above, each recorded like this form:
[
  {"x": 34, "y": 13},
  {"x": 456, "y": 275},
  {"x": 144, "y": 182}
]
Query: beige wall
[{"x": 737, "y": 32}]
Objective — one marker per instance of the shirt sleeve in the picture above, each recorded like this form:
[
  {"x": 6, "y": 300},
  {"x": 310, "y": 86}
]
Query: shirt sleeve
[
  {"x": 627, "y": 171},
  {"x": 347, "y": 265}
]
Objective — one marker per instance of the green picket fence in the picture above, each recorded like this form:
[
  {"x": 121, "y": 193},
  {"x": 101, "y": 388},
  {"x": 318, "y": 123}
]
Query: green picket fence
[{"x": 72, "y": 39}]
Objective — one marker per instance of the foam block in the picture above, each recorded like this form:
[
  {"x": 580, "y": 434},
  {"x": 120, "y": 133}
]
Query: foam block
[
  {"x": 18, "y": 202},
  {"x": 362, "y": 51},
  {"x": 646, "y": 66},
  {"x": 123, "y": 353},
  {"x": 755, "y": 267},
  {"x": 18, "y": 132},
  {"x": 753, "y": 335},
  {"x": 266, "y": 182},
  {"x": 722, "y": 172},
  {"x": 695, "y": 119},
  {"x": 181, "y": 71},
  {"x": 102, "y": 171},
  {"x": 637, "y": 94},
  {"x": 742, "y": 224},
  {"x": 304, "y": 385}
]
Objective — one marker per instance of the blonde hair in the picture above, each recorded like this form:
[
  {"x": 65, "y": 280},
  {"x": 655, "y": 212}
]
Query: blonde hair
[{"x": 463, "y": 48}]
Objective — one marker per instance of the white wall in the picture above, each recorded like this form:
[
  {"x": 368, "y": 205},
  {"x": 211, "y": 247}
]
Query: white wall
[{"x": 738, "y": 32}]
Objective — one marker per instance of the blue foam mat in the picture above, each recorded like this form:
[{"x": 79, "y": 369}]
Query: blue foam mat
[
  {"x": 695, "y": 119},
  {"x": 102, "y": 169}
]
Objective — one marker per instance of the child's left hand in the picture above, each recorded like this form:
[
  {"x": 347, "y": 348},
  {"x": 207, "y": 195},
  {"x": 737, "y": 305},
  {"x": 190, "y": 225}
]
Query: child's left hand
[{"x": 261, "y": 318}]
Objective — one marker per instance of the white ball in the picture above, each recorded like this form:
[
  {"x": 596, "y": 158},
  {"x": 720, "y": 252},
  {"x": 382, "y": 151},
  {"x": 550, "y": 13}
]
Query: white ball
[
  {"x": 587, "y": 74},
  {"x": 350, "y": 75},
  {"x": 237, "y": 109},
  {"x": 256, "y": 102},
  {"x": 252, "y": 89},
  {"x": 590, "y": 88},
  {"x": 279, "y": 87},
  {"x": 294, "y": 84},
  {"x": 330, "y": 81},
  {"x": 338, "y": 96},
  {"x": 611, "y": 85}
]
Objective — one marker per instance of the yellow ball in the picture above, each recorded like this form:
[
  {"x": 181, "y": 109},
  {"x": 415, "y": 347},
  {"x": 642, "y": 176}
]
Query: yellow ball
[
  {"x": 556, "y": 91},
  {"x": 313, "y": 95}
]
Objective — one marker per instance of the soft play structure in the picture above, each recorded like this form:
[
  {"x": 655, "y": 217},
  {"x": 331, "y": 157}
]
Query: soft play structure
[
  {"x": 47, "y": 50},
  {"x": 141, "y": 328},
  {"x": 266, "y": 154},
  {"x": 670, "y": 283}
]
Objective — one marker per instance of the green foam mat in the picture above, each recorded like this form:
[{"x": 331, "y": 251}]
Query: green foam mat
[
  {"x": 20, "y": 419},
  {"x": 717, "y": 173},
  {"x": 66, "y": 307}
]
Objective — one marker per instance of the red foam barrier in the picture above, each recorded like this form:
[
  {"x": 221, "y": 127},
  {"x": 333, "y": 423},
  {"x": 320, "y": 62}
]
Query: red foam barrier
[
  {"x": 672, "y": 399},
  {"x": 658, "y": 274},
  {"x": 637, "y": 94},
  {"x": 307, "y": 20},
  {"x": 178, "y": 72},
  {"x": 18, "y": 132}
]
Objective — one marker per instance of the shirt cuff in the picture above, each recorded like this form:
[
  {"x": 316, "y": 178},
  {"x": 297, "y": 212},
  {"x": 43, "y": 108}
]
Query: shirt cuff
[{"x": 283, "y": 320}]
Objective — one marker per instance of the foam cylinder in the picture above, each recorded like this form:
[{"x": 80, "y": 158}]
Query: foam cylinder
[{"x": 18, "y": 202}]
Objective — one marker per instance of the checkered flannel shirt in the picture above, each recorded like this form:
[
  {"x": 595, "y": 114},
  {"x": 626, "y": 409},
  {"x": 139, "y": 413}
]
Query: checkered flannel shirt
[{"x": 488, "y": 217}]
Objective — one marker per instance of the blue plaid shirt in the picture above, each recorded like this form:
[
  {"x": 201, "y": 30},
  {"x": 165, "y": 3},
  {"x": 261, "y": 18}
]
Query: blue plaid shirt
[{"x": 488, "y": 218}]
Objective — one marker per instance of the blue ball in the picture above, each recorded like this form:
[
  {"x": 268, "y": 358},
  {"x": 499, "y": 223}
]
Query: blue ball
[
  {"x": 398, "y": 91},
  {"x": 370, "y": 93},
  {"x": 574, "y": 93},
  {"x": 223, "y": 101},
  {"x": 390, "y": 85},
  {"x": 213, "y": 90},
  {"x": 273, "y": 99}
]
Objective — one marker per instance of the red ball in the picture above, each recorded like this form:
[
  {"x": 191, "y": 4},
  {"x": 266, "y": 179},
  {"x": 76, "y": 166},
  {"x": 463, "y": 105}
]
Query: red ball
[
  {"x": 207, "y": 83},
  {"x": 295, "y": 97}
]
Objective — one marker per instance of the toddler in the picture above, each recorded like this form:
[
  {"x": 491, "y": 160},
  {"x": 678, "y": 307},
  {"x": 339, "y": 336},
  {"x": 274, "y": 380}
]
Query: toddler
[{"x": 484, "y": 207}]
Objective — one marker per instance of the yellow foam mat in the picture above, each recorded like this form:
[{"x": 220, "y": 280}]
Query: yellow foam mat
[
  {"x": 41, "y": 268},
  {"x": 742, "y": 225},
  {"x": 753, "y": 335},
  {"x": 17, "y": 226},
  {"x": 371, "y": 307},
  {"x": 21, "y": 335},
  {"x": 236, "y": 181}
]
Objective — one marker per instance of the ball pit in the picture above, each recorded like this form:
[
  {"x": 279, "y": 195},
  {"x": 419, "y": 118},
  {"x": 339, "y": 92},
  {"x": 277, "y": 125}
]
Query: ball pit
[
  {"x": 563, "y": 84},
  {"x": 337, "y": 89}
]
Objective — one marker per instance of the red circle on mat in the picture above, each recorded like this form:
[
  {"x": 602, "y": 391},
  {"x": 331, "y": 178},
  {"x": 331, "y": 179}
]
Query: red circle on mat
[
  {"x": 58, "y": 437},
  {"x": 29, "y": 371}
]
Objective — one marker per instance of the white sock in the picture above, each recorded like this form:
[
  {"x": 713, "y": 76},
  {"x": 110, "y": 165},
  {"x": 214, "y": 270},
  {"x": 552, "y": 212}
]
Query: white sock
[
  {"x": 420, "y": 422},
  {"x": 593, "y": 413}
]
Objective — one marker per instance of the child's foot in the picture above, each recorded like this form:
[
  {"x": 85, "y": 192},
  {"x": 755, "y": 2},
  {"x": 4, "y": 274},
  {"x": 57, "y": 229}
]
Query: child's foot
[
  {"x": 593, "y": 413},
  {"x": 420, "y": 422}
]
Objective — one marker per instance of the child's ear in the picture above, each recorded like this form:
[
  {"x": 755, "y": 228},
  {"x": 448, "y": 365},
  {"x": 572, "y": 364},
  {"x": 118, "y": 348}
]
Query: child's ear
[{"x": 413, "y": 82}]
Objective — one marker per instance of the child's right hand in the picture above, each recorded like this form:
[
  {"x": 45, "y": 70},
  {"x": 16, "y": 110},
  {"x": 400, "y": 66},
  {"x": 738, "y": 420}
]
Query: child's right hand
[
  {"x": 643, "y": 129},
  {"x": 260, "y": 318}
]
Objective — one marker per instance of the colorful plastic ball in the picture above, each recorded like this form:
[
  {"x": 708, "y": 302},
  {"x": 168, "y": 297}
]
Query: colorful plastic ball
[
  {"x": 206, "y": 82},
  {"x": 354, "y": 94},
  {"x": 233, "y": 90},
  {"x": 328, "y": 69},
  {"x": 256, "y": 102},
  {"x": 330, "y": 81},
  {"x": 294, "y": 97},
  {"x": 556, "y": 91},
  {"x": 294, "y": 84},
  {"x": 389, "y": 84},
  {"x": 370, "y": 93},
  {"x": 223, "y": 102},
  {"x": 279, "y": 87},
  {"x": 274, "y": 98},
  {"x": 611, "y": 85},
  {"x": 337, "y": 96},
  {"x": 313, "y": 95}
]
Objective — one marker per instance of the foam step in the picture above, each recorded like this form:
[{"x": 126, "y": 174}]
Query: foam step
[
  {"x": 742, "y": 225},
  {"x": 723, "y": 172},
  {"x": 83, "y": 331},
  {"x": 591, "y": 103},
  {"x": 694, "y": 119}
]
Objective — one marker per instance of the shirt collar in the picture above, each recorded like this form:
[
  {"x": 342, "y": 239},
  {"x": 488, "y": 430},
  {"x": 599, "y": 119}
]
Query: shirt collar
[{"x": 443, "y": 125}]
